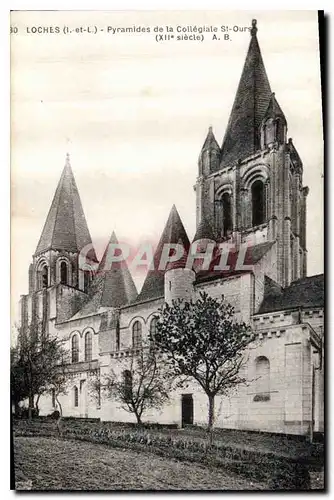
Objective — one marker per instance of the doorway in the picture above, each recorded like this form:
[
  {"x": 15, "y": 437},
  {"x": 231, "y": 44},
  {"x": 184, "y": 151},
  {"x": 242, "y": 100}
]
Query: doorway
[{"x": 187, "y": 405}]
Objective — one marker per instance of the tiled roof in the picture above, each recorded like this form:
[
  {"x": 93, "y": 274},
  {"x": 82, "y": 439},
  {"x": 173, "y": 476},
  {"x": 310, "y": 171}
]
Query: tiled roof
[
  {"x": 250, "y": 104},
  {"x": 174, "y": 232},
  {"x": 252, "y": 256},
  {"x": 305, "y": 292},
  {"x": 112, "y": 286},
  {"x": 66, "y": 227}
]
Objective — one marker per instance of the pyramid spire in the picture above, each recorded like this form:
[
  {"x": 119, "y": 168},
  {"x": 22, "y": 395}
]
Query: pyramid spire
[
  {"x": 66, "y": 228},
  {"x": 105, "y": 261},
  {"x": 274, "y": 110},
  {"x": 250, "y": 103},
  {"x": 204, "y": 231},
  {"x": 173, "y": 232},
  {"x": 112, "y": 286},
  {"x": 210, "y": 141}
]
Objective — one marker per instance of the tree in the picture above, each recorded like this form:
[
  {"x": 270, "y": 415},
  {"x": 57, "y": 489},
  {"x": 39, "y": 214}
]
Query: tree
[
  {"x": 38, "y": 365},
  {"x": 18, "y": 387},
  {"x": 203, "y": 342},
  {"x": 139, "y": 383}
]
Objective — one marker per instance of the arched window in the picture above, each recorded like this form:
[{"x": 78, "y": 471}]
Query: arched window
[
  {"x": 227, "y": 214},
  {"x": 43, "y": 277},
  {"x": 76, "y": 396},
  {"x": 262, "y": 367},
  {"x": 258, "y": 203},
  {"x": 153, "y": 327},
  {"x": 118, "y": 336},
  {"x": 63, "y": 273},
  {"x": 153, "y": 330},
  {"x": 75, "y": 349},
  {"x": 136, "y": 335},
  {"x": 88, "y": 346},
  {"x": 265, "y": 141},
  {"x": 127, "y": 377}
]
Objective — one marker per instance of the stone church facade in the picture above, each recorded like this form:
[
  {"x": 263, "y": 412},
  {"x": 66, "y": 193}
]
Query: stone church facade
[{"x": 249, "y": 192}]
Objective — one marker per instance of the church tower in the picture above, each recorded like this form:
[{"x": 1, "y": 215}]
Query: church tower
[
  {"x": 251, "y": 188},
  {"x": 65, "y": 234},
  {"x": 63, "y": 262}
]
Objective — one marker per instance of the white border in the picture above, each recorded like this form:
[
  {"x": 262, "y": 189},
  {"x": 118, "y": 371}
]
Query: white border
[{"x": 5, "y": 7}]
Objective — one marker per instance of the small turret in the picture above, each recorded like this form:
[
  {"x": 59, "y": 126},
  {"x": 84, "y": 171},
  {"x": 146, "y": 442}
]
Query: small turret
[
  {"x": 273, "y": 127},
  {"x": 209, "y": 158},
  {"x": 204, "y": 237},
  {"x": 204, "y": 234},
  {"x": 179, "y": 280}
]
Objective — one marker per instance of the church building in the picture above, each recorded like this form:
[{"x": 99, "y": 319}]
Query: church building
[{"x": 249, "y": 192}]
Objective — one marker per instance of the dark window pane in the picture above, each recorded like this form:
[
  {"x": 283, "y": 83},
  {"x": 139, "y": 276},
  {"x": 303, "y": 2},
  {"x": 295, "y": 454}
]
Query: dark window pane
[
  {"x": 136, "y": 335},
  {"x": 88, "y": 346},
  {"x": 75, "y": 349},
  {"x": 257, "y": 203},
  {"x": 63, "y": 273}
]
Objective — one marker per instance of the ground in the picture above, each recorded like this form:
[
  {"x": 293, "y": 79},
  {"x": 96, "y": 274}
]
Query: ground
[{"x": 52, "y": 464}]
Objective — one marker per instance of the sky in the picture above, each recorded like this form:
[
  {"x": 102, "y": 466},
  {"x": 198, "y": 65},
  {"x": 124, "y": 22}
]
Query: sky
[{"x": 133, "y": 113}]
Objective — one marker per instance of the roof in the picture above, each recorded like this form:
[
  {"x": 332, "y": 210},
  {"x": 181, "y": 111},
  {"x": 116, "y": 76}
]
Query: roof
[
  {"x": 305, "y": 292},
  {"x": 210, "y": 141},
  {"x": 174, "y": 232},
  {"x": 274, "y": 109},
  {"x": 250, "y": 103},
  {"x": 112, "y": 286},
  {"x": 252, "y": 256},
  {"x": 65, "y": 227},
  {"x": 204, "y": 231},
  {"x": 294, "y": 154}
]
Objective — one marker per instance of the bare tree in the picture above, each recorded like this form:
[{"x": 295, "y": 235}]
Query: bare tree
[
  {"x": 139, "y": 382},
  {"x": 38, "y": 366}
]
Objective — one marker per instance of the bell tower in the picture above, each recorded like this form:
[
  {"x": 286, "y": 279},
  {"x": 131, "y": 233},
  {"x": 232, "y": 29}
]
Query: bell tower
[
  {"x": 65, "y": 234},
  {"x": 251, "y": 188},
  {"x": 57, "y": 275}
]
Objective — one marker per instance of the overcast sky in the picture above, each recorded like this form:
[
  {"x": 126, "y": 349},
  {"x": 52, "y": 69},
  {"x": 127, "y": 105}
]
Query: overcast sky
[{"x": 134, "y": 113}]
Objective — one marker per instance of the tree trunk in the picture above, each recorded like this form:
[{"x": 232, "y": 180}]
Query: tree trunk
[
  {"x": 31, "y": 405},
  {"x": 60, "y": 416},
  {"x": 211, "y": 417},
  {"x": 16, "y": 408},
  {"x": 36, "y": 404},
  {"x": 60, "y": 407},
  {"x": 138, "y": 417}
]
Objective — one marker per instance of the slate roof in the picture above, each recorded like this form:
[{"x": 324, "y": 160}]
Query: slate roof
[
  {"x": 65, "y": 227},
  {"x": 274, "y": 109},
  {"x": 204, "y": 231},
  {"x": 210, "y": 141},
  {"x": 294, "y": 154},
  {"x": 174, "y": 232},
  {"x": 305, "y": 292},
  {"x": 252, "y": 256},
  {"x": 250, "y": 104},
  {"x": 112, "y": 285}
]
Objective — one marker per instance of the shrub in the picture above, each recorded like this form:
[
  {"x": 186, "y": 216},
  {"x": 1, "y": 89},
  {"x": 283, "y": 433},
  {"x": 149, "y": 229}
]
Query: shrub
[
  {"x": 23, "y": 413},
  {"x": 254, "y": 464},
  {"x": 54, "y": 415},
  {"x": 291, "y": 476}
]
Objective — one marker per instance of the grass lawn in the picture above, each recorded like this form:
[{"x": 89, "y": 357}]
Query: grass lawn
[{"x": 52, "y": 464}]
